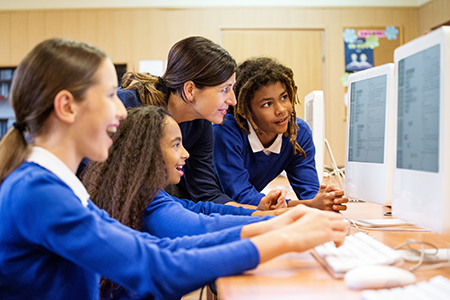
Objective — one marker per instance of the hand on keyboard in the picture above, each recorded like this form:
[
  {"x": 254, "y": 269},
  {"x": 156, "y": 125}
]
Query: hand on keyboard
[{"x": 311, "y": 227}]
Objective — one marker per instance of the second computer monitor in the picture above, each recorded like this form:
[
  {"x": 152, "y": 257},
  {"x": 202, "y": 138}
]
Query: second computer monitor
[
  {"x": 422, "y": 168},
  {"x": 315, "y": 117},
  {"x": 370, "y": 135}
]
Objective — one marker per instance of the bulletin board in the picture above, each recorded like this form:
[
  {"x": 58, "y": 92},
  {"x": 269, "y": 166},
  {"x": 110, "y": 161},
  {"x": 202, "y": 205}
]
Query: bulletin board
[{"x": 366, "y": 47}]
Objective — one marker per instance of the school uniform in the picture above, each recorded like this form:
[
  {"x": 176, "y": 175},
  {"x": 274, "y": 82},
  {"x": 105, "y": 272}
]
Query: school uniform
[
  {"x": 55, "y": 243},
  {"x": 199, "y": 182},
  {"x": 183, "y": 217},
  {"x": 245, "y": 168}
]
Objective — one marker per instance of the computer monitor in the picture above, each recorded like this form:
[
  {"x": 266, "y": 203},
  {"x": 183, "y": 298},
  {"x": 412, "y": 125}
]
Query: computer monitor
[
  {"x": 370, "y": 135},
  {"x": 315, "y": 117},
  {"x": 422, "y": 163}
]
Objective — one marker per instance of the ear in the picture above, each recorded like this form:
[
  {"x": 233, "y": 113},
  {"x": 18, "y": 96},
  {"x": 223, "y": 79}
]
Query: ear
[
  {"x": 65, "y": 106},
  {"x": 189, "y": 90}
]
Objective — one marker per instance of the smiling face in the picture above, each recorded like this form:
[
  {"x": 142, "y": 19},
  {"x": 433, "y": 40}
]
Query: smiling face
[
  {"x": 271, "y": 109},
  {"x": 211, "y": 103},
  {"x": 173, "y": 151},
  {"x": 99, "y": 113}
]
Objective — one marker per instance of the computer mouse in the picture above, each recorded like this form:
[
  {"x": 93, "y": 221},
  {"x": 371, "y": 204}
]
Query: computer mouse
[{"x": 377, "y": 277}]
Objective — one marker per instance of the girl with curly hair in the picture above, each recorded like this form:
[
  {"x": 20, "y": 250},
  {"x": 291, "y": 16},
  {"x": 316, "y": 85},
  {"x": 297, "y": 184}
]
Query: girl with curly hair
[
  {"x": 56, "y": 243},
  {"x": 147, "y": 154},
  {"x": 129, "y": 184},
  {"x": 264, "y": 137}
]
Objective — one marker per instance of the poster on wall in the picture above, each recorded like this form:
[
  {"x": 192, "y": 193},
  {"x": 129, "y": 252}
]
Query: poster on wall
[
  {"x": 365, "y": 48},
  {"x": 358, "y": 56}
]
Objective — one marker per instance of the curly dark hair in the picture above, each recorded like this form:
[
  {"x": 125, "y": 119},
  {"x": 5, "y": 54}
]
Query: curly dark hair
[
  {"x": 134, "y": 172},
  {"x": 255, "y": 73}
]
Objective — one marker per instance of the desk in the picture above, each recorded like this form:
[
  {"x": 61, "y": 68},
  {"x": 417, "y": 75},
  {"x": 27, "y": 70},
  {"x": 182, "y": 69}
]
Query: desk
[{"x": 300, "y": 276}]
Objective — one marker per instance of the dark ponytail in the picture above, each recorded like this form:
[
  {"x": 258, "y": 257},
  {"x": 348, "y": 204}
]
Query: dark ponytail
[{"x": 195, "y": 59}]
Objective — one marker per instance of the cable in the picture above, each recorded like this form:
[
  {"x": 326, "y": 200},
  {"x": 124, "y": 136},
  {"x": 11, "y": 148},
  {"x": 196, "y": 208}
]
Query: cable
[
  {"x": 201, "y": 293},
  {"x": 422, "y": 254},
  {"x": 336, "y": 171},
  {"x": 409, "y": 244}
]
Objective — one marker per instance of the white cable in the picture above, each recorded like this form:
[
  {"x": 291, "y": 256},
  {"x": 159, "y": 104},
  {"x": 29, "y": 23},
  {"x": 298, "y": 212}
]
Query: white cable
[
  {"x": 336, "y": 170},
  {"x": 421, "y": 252}
]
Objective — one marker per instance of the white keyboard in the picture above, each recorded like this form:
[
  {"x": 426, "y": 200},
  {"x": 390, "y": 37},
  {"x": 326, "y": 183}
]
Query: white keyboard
[
  {"x": 436, "y": 288},
  {"x": 358, "y": 250}
]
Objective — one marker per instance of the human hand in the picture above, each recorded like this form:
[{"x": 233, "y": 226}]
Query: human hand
[
  {"x": 330, "y": 198},
  {"x": 272, "y": 213},
  {"x": 299, "y": 229},
  {"x": 314, "y": 227},
  {"x": 275, "y": 199},
  {"x": 284, "y": 216}
]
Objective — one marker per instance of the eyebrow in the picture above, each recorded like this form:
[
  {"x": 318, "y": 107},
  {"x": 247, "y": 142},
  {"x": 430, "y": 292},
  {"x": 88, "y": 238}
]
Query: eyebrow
[
  {"x": 225, "y": 85},
  {"x": 177, "y": 139},
  {"x": 271, "y": 98}
]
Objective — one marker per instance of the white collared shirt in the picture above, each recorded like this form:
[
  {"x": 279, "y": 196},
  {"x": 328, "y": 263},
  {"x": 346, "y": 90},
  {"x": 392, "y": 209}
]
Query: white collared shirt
[
  {"x": 49, "y": 161},
  {"x": 257, "y": 146}
]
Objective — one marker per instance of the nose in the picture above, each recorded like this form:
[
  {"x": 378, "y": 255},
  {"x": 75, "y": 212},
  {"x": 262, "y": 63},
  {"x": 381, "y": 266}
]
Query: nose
[
  {"x": 232, "y": 100},
  {"x": 121, "y": 111},
  {"x": 185, "y": 153},
  {"x": 279, "y": 108}
]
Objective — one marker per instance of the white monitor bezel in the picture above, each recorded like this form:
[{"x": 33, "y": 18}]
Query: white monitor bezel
[
  {"x": 318, "y": 130},
  {"x": 414, "y": 190},
  {"x": 372, "y": 182}
]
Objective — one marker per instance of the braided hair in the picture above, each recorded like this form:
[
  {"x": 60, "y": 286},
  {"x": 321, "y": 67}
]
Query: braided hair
[{"x": 255, "y": 73}]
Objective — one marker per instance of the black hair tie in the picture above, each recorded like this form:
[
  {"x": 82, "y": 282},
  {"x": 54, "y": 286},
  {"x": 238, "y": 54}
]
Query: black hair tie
[
  {"x": 162, "y": 87},
  {"x": 20, "y": 126}
]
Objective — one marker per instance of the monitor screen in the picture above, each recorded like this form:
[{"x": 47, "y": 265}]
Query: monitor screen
[
  {"x": 369, "y": 158},
  {"x": 367, "y": 120},
  {"x": 421, "y": 164},
  {"x": 418, "y": 111}
]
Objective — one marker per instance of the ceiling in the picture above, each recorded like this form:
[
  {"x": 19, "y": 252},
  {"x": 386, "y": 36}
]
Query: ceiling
[{"x": 68, "y": 4}]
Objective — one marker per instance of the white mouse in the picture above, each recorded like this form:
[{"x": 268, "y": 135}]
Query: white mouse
[{"x": 377, "y": 277}]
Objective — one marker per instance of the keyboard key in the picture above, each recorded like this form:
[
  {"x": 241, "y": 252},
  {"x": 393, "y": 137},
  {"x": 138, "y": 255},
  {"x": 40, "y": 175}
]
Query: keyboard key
[
  {"x": 358, "y": 250},
  {"x": 437, "y": 288}
]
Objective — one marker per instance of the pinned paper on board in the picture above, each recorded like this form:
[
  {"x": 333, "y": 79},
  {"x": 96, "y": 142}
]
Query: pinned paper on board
[
  {"x": 153, "y": 67},
  {"x": 359, "y": 48}
]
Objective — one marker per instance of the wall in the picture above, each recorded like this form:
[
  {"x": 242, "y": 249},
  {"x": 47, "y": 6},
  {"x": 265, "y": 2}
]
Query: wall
[
  {"x": 432, "y": 14},
  {"x": 133, "y": 34}
]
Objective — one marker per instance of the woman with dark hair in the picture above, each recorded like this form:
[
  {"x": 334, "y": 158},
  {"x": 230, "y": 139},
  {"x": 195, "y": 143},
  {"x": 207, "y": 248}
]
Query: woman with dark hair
[
  {"x": 264, "y": 137},
  {"x": 56, "y": 243},
  {"x": 197, "y": 89}
]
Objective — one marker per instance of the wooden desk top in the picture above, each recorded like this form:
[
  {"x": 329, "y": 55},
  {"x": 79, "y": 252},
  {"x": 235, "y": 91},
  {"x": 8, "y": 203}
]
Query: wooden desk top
[{"x": 300, "y": 276}]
